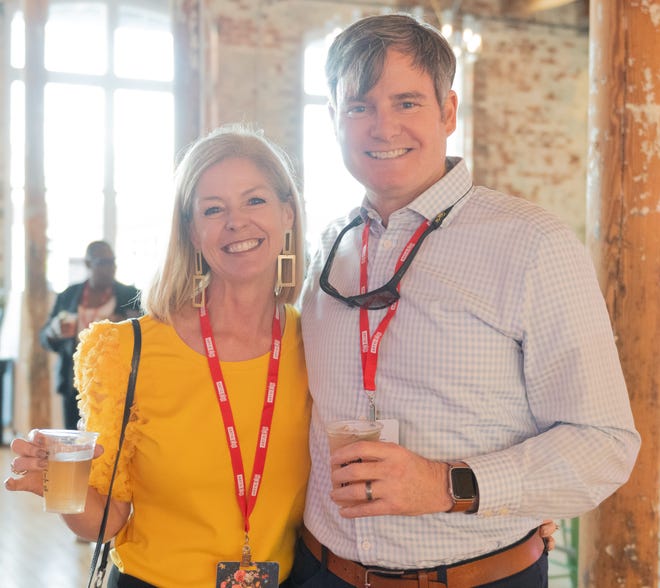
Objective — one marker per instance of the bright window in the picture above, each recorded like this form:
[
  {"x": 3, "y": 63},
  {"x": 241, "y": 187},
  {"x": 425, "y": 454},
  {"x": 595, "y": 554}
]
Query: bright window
[
  {"x": 76, "y": 38},
  {"x": 330, "y": 191},
  {"x": 108, "y": 135}
]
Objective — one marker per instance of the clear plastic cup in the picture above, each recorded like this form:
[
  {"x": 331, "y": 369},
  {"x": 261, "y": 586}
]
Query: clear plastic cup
[
  {"x": 342, "y": 433},
  {"x": 66, "y": 478}
]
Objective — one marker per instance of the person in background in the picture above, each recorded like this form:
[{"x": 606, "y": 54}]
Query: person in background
[
  {"x": 471, "y": 324},
  {"x": 221, "y": 400},
  {"x": 97, "y": 298}
]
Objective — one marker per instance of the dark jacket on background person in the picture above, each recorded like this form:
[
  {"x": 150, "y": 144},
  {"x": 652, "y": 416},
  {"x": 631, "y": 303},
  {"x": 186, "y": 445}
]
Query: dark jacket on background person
[{"x": 127, "y": 305}]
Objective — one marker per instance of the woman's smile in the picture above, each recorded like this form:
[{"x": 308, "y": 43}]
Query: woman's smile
[{"x": 242, "y": 246}]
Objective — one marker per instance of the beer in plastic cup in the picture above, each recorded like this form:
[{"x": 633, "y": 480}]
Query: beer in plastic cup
[
  {"x": 66, "y": 478},
  {"x": 68, "y": 324},
  {"x": 342, "y": 433}
]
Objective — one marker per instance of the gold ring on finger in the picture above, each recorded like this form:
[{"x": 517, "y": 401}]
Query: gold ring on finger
[{"x": 16, "y": 472}]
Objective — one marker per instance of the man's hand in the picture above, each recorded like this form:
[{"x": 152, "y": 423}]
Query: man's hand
[{"x": 401, "y": 482}]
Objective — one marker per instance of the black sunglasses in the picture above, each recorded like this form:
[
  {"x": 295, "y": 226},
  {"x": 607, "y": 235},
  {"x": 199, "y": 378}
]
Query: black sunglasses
[{"x": 387, "y": 294}]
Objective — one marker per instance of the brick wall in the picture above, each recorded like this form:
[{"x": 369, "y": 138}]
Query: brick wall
[
  {"x": 530, "y": 92},
  {"x": 530, "y": 116},
  {"x": 254, "y": 62}
]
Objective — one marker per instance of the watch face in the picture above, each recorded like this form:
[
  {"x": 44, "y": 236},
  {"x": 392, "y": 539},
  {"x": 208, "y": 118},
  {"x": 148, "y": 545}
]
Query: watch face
[{"x": 463, "y": 484}]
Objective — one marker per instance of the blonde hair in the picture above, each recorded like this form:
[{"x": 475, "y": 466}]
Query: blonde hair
[{"x": 172, "y": 288}]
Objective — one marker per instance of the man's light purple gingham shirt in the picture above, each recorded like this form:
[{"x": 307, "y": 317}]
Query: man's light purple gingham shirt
[{"x": 500, "y": 354}]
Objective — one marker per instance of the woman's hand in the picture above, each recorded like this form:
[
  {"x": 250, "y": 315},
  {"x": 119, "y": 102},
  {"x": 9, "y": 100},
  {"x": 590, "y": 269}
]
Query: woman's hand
[
  {"x": 548, "y": 527},
  {"x": 28, "y": 466}
]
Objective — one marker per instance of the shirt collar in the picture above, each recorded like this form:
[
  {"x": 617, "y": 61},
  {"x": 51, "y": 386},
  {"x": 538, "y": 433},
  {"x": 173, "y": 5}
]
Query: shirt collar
[{"x": 448, "y": 190}]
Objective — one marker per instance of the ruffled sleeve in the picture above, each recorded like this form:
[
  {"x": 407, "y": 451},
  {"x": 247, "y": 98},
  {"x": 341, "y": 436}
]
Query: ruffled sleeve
[{"x": 102, "y": 367}]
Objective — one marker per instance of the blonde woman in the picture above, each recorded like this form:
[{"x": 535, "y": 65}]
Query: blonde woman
[{"x": 233, "y": 267}]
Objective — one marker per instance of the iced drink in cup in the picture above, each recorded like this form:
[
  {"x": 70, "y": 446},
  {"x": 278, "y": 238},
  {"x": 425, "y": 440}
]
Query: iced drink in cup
[
  {"x": 342, "y": 433},
  {"x": 66, "y": 478}
]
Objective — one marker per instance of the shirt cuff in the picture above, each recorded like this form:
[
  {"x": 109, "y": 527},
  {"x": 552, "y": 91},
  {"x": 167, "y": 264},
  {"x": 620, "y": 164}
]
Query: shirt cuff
[{"x": 500, "y": 483}]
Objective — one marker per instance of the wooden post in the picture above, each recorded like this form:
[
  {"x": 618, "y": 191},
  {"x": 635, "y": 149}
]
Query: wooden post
[
  {"x": 35, "y": 302},
  {"x": 619, "y": 540},
  {"x": 186, "y": 17}
]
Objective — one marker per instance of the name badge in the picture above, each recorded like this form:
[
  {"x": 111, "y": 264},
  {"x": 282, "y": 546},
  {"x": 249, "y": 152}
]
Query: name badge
[
  {"x": 390, "y": 431},
  {"x": 260, "y": 574}
]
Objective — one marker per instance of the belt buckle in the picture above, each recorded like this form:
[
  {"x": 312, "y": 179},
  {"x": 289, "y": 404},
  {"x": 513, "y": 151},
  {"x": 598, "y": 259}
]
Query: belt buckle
[{"x": 368, "y": 571}]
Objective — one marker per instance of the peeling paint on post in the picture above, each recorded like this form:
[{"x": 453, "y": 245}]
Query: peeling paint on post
[{"x": 619, "y": 540}]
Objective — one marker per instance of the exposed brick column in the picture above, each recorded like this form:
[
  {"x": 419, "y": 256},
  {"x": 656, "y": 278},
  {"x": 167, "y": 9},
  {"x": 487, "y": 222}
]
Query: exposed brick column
[
  {"x": 619, "y": 541},
  {"x": 186, "y": 15},
  {"x": 36, "y": 300}
]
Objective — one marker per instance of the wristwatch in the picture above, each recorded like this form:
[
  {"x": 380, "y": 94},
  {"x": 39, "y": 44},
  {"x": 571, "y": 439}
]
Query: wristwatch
[{"x": 463, "y": 488}]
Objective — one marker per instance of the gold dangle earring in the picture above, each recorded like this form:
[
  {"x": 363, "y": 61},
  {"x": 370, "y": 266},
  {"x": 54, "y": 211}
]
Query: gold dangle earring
[
  {"x": 199, "y": 290},
  {"x": 286, "y": 265}
]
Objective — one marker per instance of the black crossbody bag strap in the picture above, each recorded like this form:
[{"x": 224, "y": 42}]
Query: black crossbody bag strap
[{"x": 96, "y": 576}]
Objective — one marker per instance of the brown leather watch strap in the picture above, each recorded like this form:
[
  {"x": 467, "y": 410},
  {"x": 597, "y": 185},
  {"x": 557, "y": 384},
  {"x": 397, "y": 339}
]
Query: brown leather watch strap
[{"x": 467, "y": 505}]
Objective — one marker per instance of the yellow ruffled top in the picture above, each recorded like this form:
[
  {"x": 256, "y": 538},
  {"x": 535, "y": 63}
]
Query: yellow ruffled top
[
  {"x": 102, "y": 372},
  {"x": 175, "y": 467}
]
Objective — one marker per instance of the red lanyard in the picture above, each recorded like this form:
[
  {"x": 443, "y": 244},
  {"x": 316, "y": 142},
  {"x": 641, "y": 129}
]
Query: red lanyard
[
  {"x": 370, "y": 345},
  {"x": 246, "y": 504}
]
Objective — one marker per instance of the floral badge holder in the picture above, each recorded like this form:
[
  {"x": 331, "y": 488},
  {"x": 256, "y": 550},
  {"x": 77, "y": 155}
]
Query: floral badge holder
[{"x": 261, "y": 574}]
